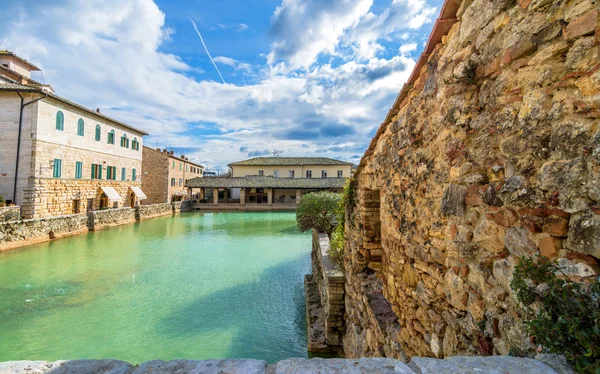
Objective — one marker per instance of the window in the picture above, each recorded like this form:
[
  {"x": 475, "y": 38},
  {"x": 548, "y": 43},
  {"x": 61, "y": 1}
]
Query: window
[
  {"x": 60, "y": 121},
  {"x": 123, "y": 173},
  {"x": 133, "y": 175},
  {"x": 261, "y": 172},
  {"x": 276, "y": 173},
  {"x": 292, "y": 173},
  {"x": 124, "y": 141},
  {"x": 340, "y": 173},
  {"x": 180, "y": 182},
  {"x": 80, "y": 127},
  {"x": 309, "y": 174},
  {"x": 186, "y": 167},
  {"x": 181, "y": 166},
  {"x": 323, "y": 173},
  {"x": 78, "y": 169},
  {"x": 57, "y": 171},
  {"x": 96, "y": 171},
  {"x": 98, "y": 133},
  {"x": 111, "y": 173},
  {"x": 172, "y": 182},
  {"x": 173, "y": 167},
  {"x": 135, "y": 145},
  {"x": 111, "y": 137}
]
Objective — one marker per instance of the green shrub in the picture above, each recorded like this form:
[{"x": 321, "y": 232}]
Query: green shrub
[
  {"x": 562, "y": 315},
  {"x": 336, "y": 245},
  {"x": 317, "y": 210},
  {"x": 2, "y": 201}
]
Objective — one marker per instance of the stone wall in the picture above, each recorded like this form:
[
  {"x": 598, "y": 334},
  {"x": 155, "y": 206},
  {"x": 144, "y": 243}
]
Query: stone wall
[
  {"x": 324, "y": 299},
  {"x": 10, "y": 213},
  {"x": 156, "y": 181},
  {"x": 182, "y": 206},
  {"x": 492, "y": 365},
  {"x": 110, "y": 217},
  {"x": 154, "y": 210},
  {"x": 491, "y": 152},
  {"x": 18, "y": 233}
]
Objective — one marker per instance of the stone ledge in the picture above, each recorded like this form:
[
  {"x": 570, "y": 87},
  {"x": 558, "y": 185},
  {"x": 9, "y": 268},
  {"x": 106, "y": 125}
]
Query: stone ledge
[{"x": 452, "y": 365}]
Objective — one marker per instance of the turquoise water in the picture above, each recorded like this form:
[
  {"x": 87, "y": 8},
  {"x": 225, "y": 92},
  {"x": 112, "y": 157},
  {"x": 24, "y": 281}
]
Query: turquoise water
[{"x": 194, "y": 286}]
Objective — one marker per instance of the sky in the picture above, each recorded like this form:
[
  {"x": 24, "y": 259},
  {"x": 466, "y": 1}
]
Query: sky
[{"x": 305, "y": 77}]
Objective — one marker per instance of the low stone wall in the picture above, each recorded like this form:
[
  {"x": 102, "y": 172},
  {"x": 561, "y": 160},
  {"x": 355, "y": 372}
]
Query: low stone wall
[
  {"x": 10, "y": 213},
  {"x": 18, "y": 233},
  {"x": 154, "y": 210},
  {"x": 182, "y": 206},
  {"x": 494, "y": 364},
  {"x": 324, "y": 299},
  {"x": 101, "y": 219}
]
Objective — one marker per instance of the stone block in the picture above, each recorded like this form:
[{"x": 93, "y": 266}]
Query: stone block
[
  {"x": 453, "y": 201},
  {"x": 341, "y": 366},
  {"x": 478, "y": 365},
  {"x": 584, "y": 233},
  {"x": 242, "y": 366},
  {"x": 556, "y": 226},
  {"x": 66, "y": 367},
  {"x": 518, "y": 243},
  {"x": 584, "y": 25}
]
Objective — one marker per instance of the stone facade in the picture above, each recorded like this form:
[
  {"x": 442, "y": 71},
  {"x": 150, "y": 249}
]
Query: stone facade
[
  {"x": 463, "y": 365},
  {"x": 10, "y": 213},
  {"x": 47, "y": 197},
  {"x": 165, "y": 175},
  {"x": 491, "y": 152}
]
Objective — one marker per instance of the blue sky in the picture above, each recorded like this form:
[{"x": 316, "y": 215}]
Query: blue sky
[{"x": 307, "y": 77}]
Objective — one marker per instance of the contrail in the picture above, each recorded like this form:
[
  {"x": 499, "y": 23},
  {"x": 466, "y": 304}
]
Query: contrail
[{"x": 207, "y": 52}]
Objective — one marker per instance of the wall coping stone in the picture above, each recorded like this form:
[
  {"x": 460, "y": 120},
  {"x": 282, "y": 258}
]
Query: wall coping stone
[{"x": 452, "y": 365}]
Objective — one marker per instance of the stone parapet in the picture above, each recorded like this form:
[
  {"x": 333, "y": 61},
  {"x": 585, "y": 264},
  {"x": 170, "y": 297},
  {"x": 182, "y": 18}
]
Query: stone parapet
[
  {"x": 325, "y": 299},
  {"x": 10, "y": 213},
  {"x": 152, "y": 210},
  {"x": 102, "y": 219},
  {"x": 182, "y": 206},
  {"x": 454, "y": 365}
]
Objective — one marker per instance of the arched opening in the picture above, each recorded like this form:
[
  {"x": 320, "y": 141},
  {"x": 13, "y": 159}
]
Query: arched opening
[
  {"x": 103, "y": 201},
  {"x": 132, "y": 199}
]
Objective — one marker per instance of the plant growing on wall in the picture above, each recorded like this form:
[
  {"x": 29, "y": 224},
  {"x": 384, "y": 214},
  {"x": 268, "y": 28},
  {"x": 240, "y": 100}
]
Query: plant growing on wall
[
  {"x": 562, "y": 315},
  {"x": 336, "y": 246},
  {"x": 317, "y": 210},
  {"x": 2, "y": 201}
]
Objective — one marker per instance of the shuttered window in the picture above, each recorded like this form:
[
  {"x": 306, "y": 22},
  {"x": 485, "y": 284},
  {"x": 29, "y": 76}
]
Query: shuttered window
[
  {"x": 80, "y": 127},
  {"x": 98, "y": 133},
  {"x": 111, "y": 137},
  {"x": 123, "y": 171},
  {"x": 60, "y": 121},
  {"x": 78, "y": 169},
  {"x": 96, "y": 171},
  {"x": 57, "y": 171},
  {"x": 133, "y": 175}
]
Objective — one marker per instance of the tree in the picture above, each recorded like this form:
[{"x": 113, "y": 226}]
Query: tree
[{"x": 317, "y": 210}]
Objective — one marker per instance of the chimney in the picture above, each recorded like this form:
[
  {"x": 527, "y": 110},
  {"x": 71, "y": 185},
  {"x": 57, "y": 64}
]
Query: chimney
[
  {"x": 97, "y": 110},
  {"x": 182, "y": 157},
  {"x": 158, "y": 149},
  {"x": 187, "y": 159},
  {"x": 172, "y": 153}
]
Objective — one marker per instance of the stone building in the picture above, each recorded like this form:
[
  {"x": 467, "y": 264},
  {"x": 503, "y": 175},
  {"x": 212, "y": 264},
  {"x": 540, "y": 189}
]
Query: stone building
[
  {"x": 270, "y": 182},
  {"x": 491, "y": 152},
  {"x": 165, "y": 175},
  {"x": 58, "y": 157}
]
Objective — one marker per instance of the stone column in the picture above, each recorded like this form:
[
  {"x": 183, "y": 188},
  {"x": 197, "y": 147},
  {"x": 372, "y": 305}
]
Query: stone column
[
  {"x": 215, "y": 196},
  {"x": 243, "y": 196},
  {"x": 298, "y": 196},
  {"x": 190, "y": 194},
  {"x": 202, "y": 194},
  {"x": 269, "y": 196}
]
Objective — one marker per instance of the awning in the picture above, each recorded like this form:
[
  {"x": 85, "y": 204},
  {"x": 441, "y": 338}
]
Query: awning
[
  {"x": 180, "y": 193},
  {"x": 112, "y": 194},
  {"x": 139, "y": 193}
]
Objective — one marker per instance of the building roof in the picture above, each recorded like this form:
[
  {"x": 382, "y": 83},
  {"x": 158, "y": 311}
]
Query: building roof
[
  {"x": 173, "y": 156},
  {"x": 37, "y": 89},
  {"x": 265, "y": 182},
  {"x": 289, "y": 161},
  {"x": 29, "y": 64}
]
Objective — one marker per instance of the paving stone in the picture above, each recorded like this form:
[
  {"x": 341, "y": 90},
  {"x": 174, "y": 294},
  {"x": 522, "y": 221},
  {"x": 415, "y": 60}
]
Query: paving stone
[
  {"x": 480, "y": 365},
  {"x": 243, "y": 366},
  {"x": 66, "y": 367},
  {"x": 341, "y": 366}
]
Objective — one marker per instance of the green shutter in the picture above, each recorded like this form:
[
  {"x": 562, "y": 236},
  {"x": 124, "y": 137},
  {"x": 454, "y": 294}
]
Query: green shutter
[
  {"x": 80, "y": 127},
  {"x": 99, "y": 171},
  {"x": 122, "y": 174},
  {"x": 98, "y": 133},
  {"x": 57, "y": 168},
  {"x": 133, "y": 174},
  {"x": 93, "y": 171},
  {"x": 78, "y": 169},
  {"x": 60, "y": 121}
]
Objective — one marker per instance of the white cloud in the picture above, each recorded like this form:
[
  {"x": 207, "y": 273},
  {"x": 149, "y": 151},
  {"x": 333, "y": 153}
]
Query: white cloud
[
  {"x": 405, "y": 48},
  {"x": 108, "y": 56}
]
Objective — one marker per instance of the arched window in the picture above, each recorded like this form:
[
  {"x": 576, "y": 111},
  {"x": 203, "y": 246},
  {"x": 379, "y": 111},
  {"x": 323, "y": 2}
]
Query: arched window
[
  {"x": 111, "y": 137},
  {"x": 124, "y": 141},
  {"x": 98, "y": 133},
  {"x": 80, "y": 127},
  {"x": 60, "y": 121},
  {"x": 135, "y": 145}
]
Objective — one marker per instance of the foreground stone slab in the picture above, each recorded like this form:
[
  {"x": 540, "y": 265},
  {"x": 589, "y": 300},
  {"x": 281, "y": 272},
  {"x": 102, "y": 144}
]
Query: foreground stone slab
[
  {"x": 342, "y": 366},
  {"x": 66, "y": 367},
  {"x": 480, "y": 365},
  {"x": 248, "y": 366}
]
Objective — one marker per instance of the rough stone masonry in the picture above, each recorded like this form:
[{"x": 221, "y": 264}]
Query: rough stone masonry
[{"x": 491, "y": 152}]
